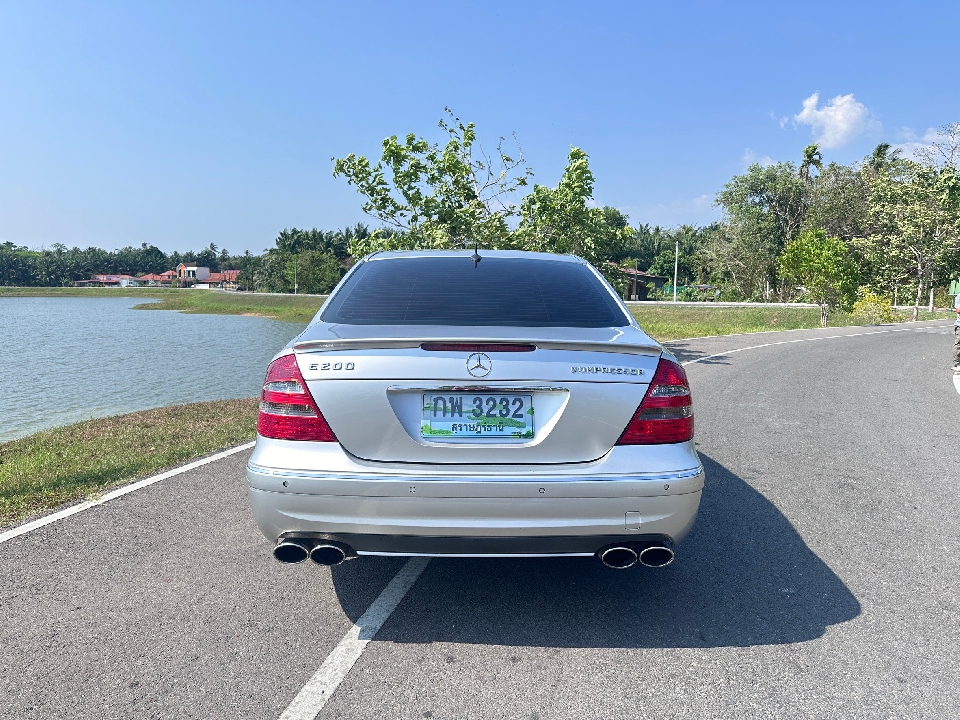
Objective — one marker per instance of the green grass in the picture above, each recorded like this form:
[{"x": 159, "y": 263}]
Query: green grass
[
  {"x": 288, "y": 308},
  {"x": 674, "y": 323},
  {"x": 68, "y": 463},
  {"x": 84, "y": 292}
]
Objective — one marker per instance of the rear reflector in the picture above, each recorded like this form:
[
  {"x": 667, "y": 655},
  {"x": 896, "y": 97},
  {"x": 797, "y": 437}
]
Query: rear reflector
[
  {"x": 287, "y": 410},
  {"x": 666, "y": 413},
  {"x": 478, "y": 347}
]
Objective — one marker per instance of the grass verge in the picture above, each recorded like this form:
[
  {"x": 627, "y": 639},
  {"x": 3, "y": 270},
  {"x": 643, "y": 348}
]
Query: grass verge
[
  {"x": 68, "y": 463},
  {"x": 675, "y": 323},
  {"x": 288, "y": 308},
  {"x": 83, "y": 292}
]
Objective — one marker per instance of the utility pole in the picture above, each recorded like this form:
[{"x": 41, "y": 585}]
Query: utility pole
[
  {"x": 676, "y": 266},
  {"x": 295, "y": 259},
  {"x": 636, "y": 269}
]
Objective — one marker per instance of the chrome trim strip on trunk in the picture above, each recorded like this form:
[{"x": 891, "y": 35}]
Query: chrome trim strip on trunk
[{"x": 385, "y": 477}]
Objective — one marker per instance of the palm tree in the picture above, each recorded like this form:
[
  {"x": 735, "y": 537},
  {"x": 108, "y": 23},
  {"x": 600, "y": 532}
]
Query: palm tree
[
  {"x": 882, "y": 158},
  {"x": 811, "y": 158}
]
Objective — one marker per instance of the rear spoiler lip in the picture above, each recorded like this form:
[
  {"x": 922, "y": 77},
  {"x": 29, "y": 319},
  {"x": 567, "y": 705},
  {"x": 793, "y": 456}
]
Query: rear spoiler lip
[{"x": 316, "y": 346}]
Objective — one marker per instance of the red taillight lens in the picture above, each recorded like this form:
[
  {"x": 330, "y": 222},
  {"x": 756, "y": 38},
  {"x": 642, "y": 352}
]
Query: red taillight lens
[
  {"x": 287, "y": 410},
  {"x": 666, "y": 413}
]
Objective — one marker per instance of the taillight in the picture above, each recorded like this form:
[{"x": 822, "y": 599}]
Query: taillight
[
  {"x": 287, "y": 410},
  {"x": 666, "y": 413}
]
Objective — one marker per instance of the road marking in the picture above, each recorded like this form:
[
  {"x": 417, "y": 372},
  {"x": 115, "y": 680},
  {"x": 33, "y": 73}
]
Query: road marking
[
  {"x": 798, "y": 340},
  {"x": 119, "y": 492},
  {"x": 791, "y": 330},
  {"x": 314, "y": 695}
]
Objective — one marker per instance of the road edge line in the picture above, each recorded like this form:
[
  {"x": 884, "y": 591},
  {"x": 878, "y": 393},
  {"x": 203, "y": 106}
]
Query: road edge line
[
  {"x": 119, "y": 492},
  {"x": 323, "y": 683}
]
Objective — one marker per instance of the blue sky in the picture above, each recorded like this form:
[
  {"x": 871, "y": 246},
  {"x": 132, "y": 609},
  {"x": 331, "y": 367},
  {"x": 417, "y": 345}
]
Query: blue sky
[{"x": 182, "y": 124}]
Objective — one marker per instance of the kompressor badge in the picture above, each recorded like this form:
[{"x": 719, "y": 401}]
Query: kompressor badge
[{"x": 605, "y": 370}]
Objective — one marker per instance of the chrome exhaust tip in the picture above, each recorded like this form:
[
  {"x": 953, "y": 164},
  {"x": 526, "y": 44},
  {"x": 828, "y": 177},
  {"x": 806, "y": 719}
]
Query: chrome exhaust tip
[
  {"x": 292, "y": 550},
  {"x": 619, "y": 557},
  {"x": 328, "y": 554},
  {"x": 656, "y": 556}
]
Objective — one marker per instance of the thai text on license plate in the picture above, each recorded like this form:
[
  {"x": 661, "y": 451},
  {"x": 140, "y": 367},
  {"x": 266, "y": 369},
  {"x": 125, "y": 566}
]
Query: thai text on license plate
[{"x": 477, "y": 415}]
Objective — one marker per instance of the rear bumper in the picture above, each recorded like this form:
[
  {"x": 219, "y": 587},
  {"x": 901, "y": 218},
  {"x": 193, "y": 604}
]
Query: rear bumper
[{"x": 402, "y": 512}]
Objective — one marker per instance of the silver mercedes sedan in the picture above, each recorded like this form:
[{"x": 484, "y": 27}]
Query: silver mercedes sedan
[{"x": 494, "y": 403}]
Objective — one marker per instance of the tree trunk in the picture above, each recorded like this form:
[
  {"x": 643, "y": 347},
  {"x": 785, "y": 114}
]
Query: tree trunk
[
  {"x": 824, "y": 314},
  {"x": 916, "y": 303}
]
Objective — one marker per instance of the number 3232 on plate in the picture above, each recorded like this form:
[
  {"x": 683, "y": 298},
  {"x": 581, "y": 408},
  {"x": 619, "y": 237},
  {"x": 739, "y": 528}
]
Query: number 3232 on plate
[{"x": 477, "y": 415}]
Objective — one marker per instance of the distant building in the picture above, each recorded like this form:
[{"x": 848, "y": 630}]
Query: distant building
[
  {"x": 109, "y": 281},
  {"x": 225, "y": 279},
  {"x": 192, "y": 273},
  {"x": 640, "y": 283},
  {"x": 154, "y": 280}
]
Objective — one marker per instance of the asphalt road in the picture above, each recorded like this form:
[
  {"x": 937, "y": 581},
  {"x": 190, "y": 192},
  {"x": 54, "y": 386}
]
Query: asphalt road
[{"x": 821, "y": 579}]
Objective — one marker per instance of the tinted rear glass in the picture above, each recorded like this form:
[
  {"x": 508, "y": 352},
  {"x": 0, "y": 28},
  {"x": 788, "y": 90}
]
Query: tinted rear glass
[{"x": 451, "y": 291}]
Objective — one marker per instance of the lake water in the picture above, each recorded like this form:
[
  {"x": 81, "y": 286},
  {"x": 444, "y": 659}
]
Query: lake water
[{"x": 63, "y": 360}]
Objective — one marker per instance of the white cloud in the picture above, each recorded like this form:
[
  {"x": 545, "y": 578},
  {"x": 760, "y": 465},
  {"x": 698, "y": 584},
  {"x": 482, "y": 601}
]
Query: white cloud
[
  {"x": 838, "y": 122},
  {"x": 912, "y": 143},
  {"x": 750, "y": 157},
  {"x": 695, "y": 211}
]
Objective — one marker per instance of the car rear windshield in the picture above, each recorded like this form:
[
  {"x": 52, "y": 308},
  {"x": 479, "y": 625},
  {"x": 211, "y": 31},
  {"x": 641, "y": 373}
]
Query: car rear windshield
[{"x": 452, "y": 291}]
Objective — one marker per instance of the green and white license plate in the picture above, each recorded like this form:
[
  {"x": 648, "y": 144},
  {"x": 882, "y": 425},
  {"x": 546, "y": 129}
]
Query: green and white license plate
[{"x": 477, "y": 415}]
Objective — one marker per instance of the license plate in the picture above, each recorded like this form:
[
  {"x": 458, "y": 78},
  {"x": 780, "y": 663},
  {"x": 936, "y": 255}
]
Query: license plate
[{"x": 477, "y": 415}]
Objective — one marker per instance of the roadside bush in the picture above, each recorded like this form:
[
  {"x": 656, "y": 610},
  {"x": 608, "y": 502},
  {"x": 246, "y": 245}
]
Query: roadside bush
[
  {"x": 871, "y": 309},
  {"x": 942, "y": 298}
]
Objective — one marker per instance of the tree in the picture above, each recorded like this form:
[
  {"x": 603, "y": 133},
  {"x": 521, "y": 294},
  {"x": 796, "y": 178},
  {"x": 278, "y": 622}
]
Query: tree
[
  {"x": 916, "y": 220},
  {"x": 883, "y": 159},
  {"x": 945, "y": 150},
  {"x": 838, "y": 202},
  {"x": 437, "y": 197},
  {"x": 559, "y": 219},
  {"x": 822, "y": 266},
  {"x": 764, "y": 209},
  {"x": 319, "y": 272},
  {"x": 811, "y": 158}
]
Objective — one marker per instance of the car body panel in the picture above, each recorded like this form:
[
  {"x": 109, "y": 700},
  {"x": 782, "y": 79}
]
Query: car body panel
[{"x": 383, "y": 488}]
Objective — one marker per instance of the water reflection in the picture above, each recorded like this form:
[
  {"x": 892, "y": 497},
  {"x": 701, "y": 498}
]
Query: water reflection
[{"x": 69, "y": 359}]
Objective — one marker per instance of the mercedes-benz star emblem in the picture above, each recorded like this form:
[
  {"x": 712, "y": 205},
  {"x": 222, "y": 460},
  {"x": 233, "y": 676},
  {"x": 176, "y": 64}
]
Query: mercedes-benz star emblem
[{"x": 479, "y": 365}]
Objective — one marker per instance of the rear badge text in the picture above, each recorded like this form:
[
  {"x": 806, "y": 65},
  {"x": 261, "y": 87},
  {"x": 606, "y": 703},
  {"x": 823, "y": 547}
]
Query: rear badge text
[
  {"x": 332, "y": 366},
  {"x": 595, "y": 369}
]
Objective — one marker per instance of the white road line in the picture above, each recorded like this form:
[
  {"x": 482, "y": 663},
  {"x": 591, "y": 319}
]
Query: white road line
[
  {"x": 787, "y": 342},
  {"x": 792, "y": 330},
  {"x": 314, "y": 695},
  {"x": 119, "y": 492}
]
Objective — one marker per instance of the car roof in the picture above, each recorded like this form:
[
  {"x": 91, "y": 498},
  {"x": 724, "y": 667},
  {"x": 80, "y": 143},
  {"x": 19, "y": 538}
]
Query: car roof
[{"x": 520, "y": 254}]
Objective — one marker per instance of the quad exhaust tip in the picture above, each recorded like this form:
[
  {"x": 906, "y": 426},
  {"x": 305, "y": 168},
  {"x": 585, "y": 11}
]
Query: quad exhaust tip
[
  {"x": 656, "y": 556},
  {"x": 293, "y": 550},
  {"x": 621, "y": 557},
  {"x": 327, "y": 554}
]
